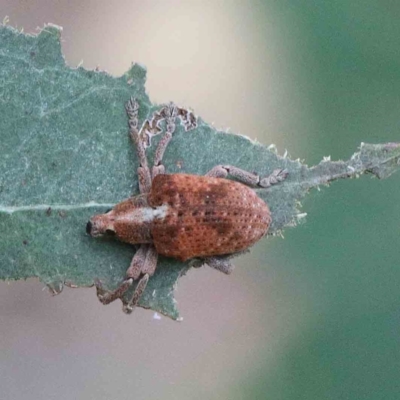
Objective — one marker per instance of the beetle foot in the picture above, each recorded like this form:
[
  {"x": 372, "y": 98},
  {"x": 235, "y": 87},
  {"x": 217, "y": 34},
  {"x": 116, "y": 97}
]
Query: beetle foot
[
  {"x": 129, "y": 306},
  {"x": 221, "y": 263},
  {"x": 188, "y": 119},
  {"x": 106, "y": 296},
  {"x": 278, "y": 175}
]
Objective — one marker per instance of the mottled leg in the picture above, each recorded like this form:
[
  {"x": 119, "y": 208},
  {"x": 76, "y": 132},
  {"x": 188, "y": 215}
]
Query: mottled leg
[
  {"x": 107, "y": 297},
  {"x": 152, "y": 126},
  {"x": 143, "y": 262},
  {"x": 147, "y": 261},
  {"x": 221, "y": 263},
  {"x": 277, "y": 175},
  {"x": 222, "y": 171},
  {"x": 151, "y": 261},
  {"x": 128, "y": 307},
  {"x": 187, "y": 118},
  {"x": 132, "y": 109},
  {"x": 137, "y": 263},
  {"x": 158, "y": 167}
]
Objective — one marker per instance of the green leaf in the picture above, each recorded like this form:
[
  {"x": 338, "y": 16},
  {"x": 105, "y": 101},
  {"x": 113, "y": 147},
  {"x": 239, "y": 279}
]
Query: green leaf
[{"x": 65, "y": 155}]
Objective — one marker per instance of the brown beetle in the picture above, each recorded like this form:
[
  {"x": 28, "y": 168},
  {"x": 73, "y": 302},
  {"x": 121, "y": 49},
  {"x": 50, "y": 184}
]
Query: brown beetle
[{"x": 179, "y": 215}]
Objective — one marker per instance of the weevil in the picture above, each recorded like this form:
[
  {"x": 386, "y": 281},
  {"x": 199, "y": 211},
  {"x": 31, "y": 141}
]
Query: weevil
[{"x": 183, "y": 216}]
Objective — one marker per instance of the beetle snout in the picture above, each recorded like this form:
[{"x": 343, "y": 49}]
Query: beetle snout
[
  {"x": 96, "y": 226},
  {"x": 89, "y": 228},
  {"x": 100, "y": 225}
]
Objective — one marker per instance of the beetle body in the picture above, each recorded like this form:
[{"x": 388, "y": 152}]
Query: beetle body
[
  {"x": 179, "y": 215},
  {"x": 188, "y": 216}
]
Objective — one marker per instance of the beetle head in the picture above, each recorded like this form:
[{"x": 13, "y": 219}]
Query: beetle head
[{"x": 129, "y": 221}]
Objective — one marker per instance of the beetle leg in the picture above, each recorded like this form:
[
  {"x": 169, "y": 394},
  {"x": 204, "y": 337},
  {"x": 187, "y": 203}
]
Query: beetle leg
[
  {"x": 132, "y": 109},
  {"x": 172, "y": 113},
  {"x": 159, "y": 168},
  {"x": 148, "y": 264},
  {"x": 222, "y": 171},
  {"x": 138, "y": 260},
  {"x": 144, "y": 262},
  {"x": 137, "y": 294},
  {"x": 278, "y": 175},
  {"x": 221, "y": 263},
  {"x": 152, "y": 127},
  {"x": 106, "y": 297},
  {"x": 218, "y": 172},
  {"x": 187, "y": 118}
]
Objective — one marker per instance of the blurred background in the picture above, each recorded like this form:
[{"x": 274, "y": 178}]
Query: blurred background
[{"x": 315, "y": 315}]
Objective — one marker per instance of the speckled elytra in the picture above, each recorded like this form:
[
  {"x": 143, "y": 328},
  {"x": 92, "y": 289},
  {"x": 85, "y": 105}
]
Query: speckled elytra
[{"x": 179, "y": 215}]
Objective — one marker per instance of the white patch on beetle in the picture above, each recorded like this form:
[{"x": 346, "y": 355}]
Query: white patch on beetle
[
  {"x": 144, "y": 214},
  {"x": 149, "y": 214}
]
